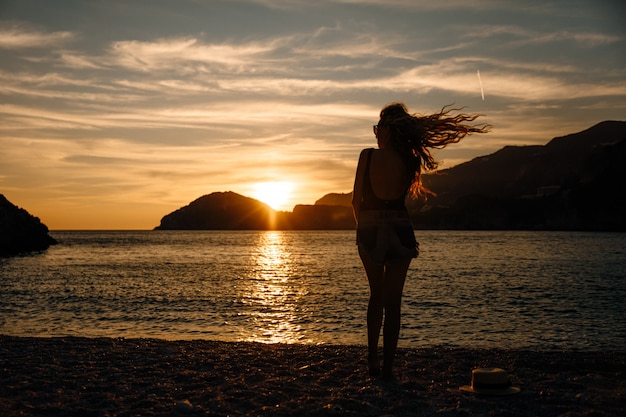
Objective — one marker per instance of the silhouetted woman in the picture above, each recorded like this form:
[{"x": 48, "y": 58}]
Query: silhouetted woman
[{"x": 385, "y": 236}]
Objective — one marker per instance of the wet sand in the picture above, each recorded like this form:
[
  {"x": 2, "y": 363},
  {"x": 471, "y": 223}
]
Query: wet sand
[{"x": 152, "y": 377}]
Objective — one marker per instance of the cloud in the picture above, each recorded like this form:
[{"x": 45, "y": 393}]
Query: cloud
[
  {"x": 294, "y": 66},
  {"x": 170, "y": 53},
  {"x": 20, "y": 37},
  {"x": 427, "y": 5},
  {"x": 76, "y": 60},
  {"x": 189, "y": 85},
  {"x": 286, "y": 68},
  {"x": 96, "y": 160},
  {"x": 520, "y": 36},
  {"x": 587, "y": 39}
]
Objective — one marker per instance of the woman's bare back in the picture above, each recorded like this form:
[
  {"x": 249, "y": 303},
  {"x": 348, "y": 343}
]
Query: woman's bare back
[{"x": 388, "y": 174}]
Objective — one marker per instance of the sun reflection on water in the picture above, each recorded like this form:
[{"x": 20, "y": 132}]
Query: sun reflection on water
[{"x": 274, "y": 294}]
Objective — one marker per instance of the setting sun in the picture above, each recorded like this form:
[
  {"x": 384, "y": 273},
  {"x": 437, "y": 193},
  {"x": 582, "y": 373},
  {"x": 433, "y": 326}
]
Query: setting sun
[{"x": 275, "y": 194}]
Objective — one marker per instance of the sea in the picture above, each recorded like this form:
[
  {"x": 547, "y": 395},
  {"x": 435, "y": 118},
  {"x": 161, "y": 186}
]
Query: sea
[{"x": 473, "y": 289}]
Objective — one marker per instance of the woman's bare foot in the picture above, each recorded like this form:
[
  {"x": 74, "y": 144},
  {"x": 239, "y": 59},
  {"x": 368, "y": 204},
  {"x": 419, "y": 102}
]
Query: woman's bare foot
[{"x": 374, "y": 367}]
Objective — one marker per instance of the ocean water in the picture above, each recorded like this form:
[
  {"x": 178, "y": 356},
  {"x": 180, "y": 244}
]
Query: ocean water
[{"x": 536, "y": 290}]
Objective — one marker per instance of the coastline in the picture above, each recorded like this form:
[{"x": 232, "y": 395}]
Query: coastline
[{"x": 155, "y": 377}]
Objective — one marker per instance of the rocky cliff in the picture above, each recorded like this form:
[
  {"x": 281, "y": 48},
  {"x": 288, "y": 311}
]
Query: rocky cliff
[{"x": 21, "y": 232}]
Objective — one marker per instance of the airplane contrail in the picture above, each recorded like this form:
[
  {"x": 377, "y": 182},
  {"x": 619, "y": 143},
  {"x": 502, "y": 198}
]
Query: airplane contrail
[{"x": 482, "y": 92}]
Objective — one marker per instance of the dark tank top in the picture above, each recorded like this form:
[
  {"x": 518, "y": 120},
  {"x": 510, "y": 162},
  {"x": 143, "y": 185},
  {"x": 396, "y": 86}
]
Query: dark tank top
[{"x": 371, "y": 202}]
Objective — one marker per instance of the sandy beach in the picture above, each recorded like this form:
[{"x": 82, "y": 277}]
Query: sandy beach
[{"x": 153, "y": 377}]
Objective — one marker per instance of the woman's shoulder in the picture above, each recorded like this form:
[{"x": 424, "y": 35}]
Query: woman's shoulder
[{"x": 365, "y": 152}]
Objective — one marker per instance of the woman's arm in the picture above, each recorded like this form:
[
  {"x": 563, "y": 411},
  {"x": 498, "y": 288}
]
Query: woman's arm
[{"x": 357, "y": 191}]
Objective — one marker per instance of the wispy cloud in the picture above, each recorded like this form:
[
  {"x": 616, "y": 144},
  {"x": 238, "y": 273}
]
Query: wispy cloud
[
  {"x": 76, "y": 60},
  {"x": 520, "y": 36},
  {"x": 426, "y": 5},
  {"x": 184, "y": 66},
  {"x": 170, "y": 53},
  {"x": 13, "y": 36}
]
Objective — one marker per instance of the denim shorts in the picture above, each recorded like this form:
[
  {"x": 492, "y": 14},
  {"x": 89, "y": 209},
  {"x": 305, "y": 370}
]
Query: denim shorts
[{"x": 386, "y": 235}]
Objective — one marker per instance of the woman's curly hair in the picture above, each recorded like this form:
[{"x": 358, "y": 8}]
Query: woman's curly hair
[{"x": 413, "y": 136}]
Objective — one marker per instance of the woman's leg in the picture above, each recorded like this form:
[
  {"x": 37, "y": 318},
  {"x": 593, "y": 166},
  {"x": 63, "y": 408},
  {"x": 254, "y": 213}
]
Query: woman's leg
[
  {"x": 394, "y": 277},
  {"x": 375, "y": 277}
]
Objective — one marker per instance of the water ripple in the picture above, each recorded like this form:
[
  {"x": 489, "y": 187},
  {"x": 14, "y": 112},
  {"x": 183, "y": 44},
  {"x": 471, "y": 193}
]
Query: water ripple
[{"x": 480, "y": 289}]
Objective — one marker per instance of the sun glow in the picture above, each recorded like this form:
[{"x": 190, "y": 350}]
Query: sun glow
[{"x": 275, "y": 194}]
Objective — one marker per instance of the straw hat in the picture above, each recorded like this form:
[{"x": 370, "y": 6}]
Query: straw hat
[{"x": 490, "y": 381}]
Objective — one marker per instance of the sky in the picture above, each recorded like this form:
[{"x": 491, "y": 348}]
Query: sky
[{"x": 114, "y": 113}]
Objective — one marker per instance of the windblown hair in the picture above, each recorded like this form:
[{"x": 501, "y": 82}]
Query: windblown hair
[{"x": 413, "y": 136}]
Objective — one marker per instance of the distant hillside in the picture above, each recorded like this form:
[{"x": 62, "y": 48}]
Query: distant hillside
[
  {"x": 575, "y": 182},
  {"x": 336, "y": 199},
  {"x": 515, "y": 171}
]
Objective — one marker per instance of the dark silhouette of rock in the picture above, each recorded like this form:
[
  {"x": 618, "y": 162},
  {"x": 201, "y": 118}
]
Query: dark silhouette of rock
[
  {"x": 516, "y": 171},
  {"x": 21, "y": 232},
  {"x": 322, "y": 217},
  {"x": 336, "y": 199},
  {"x": 220, "y": 211},
  {"x": 575, "y": 182}
]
